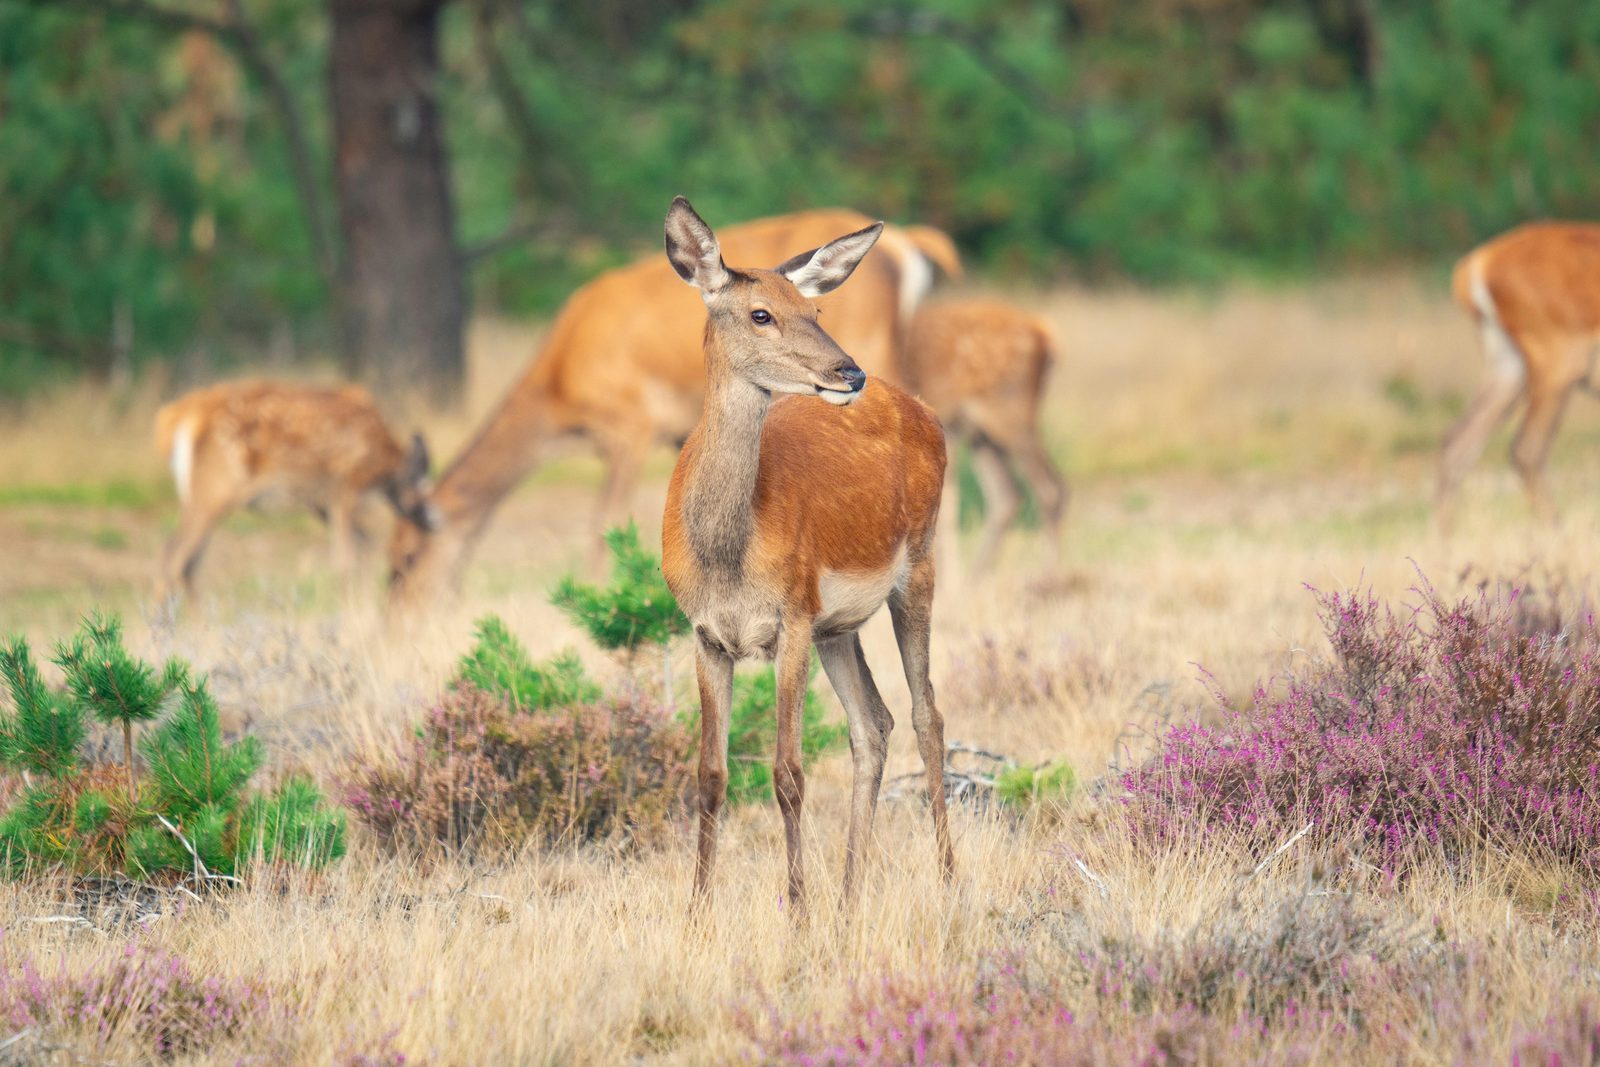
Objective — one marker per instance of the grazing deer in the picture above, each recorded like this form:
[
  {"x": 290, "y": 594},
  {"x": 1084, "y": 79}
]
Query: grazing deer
[
  {"x": 981, "y": 364},
  {"x": 622, "y": 368},
  {"x": 1535, "y": 295},
  {"x": 327, "y": 447},
  {"x": 804, "y": 499}
]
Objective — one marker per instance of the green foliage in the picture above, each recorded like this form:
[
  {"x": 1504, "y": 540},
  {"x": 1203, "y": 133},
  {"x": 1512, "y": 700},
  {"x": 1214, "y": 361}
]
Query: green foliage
[
  {"x": 1024, "y": 787},
  {"x": 753, "y": 734},
  {"x": 44, "y": 731},
  {"x": 102, "y": 676},
  {"x": 1307, "y": 133},
  {"x": 498, "y": 663},
  {"x": 80, "y": 817},
  {"x": 191, "y": 767},
  {"x": 636, "y": 609}
]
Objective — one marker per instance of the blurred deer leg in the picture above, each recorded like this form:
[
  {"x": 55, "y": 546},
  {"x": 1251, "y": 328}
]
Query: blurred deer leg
[
  {"x": 947, "y": 536},
  {"x": 624, "y": 458},
  {"x": 181, "y": 560},
  {"x": 1001, "y": 501},
  {"x": 1531, "y": 448},
  {"x": 341, "y": 533},
  {"x": 1044, "y": 480}
]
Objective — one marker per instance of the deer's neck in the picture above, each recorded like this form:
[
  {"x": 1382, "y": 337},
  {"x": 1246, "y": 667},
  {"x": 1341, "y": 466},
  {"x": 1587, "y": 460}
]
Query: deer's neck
[
  {"x": 719, "y": 492},
  {"x": 499, "y": 456}
]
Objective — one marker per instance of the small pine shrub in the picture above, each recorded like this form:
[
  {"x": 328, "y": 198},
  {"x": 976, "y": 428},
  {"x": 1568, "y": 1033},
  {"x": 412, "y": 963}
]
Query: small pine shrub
[
  {"x": 480, "y": 774},
  {"x": 1026, "y": 787},
  {"x": 753, "y": 734},
  {"x": 191, "y": 807},
  {"x": 499, "y": 665},
  {"x": 636, "y": 609},
  {"x": 1437, "y": 731}
]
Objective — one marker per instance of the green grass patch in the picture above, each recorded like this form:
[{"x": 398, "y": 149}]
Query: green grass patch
[{"x": 114, "y": 494}]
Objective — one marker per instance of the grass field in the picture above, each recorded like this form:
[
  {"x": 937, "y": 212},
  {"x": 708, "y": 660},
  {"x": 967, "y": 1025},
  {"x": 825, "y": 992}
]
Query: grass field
[{"x": 1225, "y": 450}]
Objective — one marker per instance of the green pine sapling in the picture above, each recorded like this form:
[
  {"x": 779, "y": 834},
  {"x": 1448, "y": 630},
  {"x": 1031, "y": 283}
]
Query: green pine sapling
[
  {"x": 499, "y": 664},
  {"x": 116, "y": 687},
  {"x": 42, "y": 735},
  {"x": 635, "y": 610},
  {"x": 193, "y": 811}
]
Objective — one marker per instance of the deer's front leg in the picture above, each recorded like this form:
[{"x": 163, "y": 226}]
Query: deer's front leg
[
  {"x": 792, "y": 666},
  {"x": 714, "y": 671}
]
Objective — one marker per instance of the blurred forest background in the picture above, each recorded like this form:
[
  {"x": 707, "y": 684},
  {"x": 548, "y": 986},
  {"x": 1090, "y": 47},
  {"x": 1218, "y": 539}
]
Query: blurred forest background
[{"x": 203, "y": 182}]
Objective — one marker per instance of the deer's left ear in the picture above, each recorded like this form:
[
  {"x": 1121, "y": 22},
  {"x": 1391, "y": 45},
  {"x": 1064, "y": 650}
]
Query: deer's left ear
[
  {"x": 822, "y": 270},
  {"x": 692, "y": 249}
]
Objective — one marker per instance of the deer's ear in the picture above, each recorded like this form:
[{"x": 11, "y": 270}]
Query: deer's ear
[
  {"x": 822, "y": 270},
  {"x": 417, "y": 463},
  {"x": 692, "y": 249}
]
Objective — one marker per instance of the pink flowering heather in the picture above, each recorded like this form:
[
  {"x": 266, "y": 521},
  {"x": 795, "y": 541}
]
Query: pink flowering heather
[
  {"x": 941, "y": 1019},
  {"x": 1434, "y": 731},
  {"x": 1568, "y": 1040},
  {"x": 142, "y": 998}
]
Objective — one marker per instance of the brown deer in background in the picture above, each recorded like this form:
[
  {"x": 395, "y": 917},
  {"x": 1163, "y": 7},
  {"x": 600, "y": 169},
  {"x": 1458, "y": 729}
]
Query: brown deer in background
[
  {"x": 805, "y": 498},
  {"x": 981, "y": 364},
  {"x": 622, "y": 367},
  {"x": 327, "y": 447},
  {"x": 1534, "y": 294}
]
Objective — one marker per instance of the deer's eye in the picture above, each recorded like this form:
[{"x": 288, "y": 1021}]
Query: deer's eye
[{"x": 761, "y": 317}]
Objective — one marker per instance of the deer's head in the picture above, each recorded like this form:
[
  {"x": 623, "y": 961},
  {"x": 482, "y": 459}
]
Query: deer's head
[
  {"x": 764, "y": 322},
  {"x": 409, "y": 489}
]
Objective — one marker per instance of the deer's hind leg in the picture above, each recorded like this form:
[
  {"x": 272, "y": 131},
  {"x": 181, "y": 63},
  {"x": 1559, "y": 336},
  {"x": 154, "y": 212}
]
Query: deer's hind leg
[
  {"x": 870, "y": 724},
  {"x": 911, "y": 609},
  {"x": 181, "y": 559}
]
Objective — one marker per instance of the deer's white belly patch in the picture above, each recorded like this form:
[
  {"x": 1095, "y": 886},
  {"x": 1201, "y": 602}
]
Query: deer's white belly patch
[{"x": 850, "y": 599}]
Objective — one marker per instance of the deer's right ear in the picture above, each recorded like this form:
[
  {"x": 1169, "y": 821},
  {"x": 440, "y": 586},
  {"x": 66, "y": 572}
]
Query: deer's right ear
[{"x": 692, "y": 249}]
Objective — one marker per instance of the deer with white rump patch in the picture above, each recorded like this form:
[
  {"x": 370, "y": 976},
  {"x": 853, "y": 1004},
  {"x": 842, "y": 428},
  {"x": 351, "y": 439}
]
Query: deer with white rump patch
[
  {"x": 804, "y": 499},
  {"x": 325, "y": 446},
  {"x": 1534, "y": 294}
]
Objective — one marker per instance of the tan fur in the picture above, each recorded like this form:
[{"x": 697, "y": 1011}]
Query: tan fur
[
  {"x": 622, "y": 367},
  {"x": 323, "y": 446},
  {"x": 800, "y": 504},
  {"x": 1535, "y": 295},
  {"x": 982, "y": 364}
]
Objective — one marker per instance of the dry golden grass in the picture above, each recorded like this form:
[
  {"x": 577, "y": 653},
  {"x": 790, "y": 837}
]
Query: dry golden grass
[{"x": 1223, "y": 450}]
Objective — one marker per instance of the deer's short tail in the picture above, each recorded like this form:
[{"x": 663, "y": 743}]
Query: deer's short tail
[
  {"x": 938, "y": 248},
  {"x": 175, "y": 431}
]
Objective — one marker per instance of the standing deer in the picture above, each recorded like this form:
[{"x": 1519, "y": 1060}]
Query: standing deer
[
  {"x": 803, "y": 500},
  {"x": 622, "y": 368},
  {"x": 1535, "y": 295},
  {"x": 327, "y": 447},
  {"x": 981, "y": 364}
]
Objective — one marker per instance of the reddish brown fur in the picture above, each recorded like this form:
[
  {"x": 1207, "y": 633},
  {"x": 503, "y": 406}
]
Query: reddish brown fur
[
  {"x": 325, "y": 446},
  {"x": 840, "y": 489},
  {"x": 982, "y": 364},
  {"x": 1540, "y": 285},
  {"x": 805, "y": 499},
  {"x": 623, "y": 368}
]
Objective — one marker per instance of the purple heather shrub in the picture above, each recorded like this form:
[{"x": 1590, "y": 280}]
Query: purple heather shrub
[
  {"x": 143, "y": 998},
  {"x": 1429, "y": 731},
  {"x": 479, "y": 773},
  {"x": 1002, "y": 1018},
  {"x": 1571, "y": 1039}
]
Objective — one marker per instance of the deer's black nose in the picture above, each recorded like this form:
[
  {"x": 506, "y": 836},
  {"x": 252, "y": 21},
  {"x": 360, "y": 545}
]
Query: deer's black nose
[{"x": 854, "y": 377}]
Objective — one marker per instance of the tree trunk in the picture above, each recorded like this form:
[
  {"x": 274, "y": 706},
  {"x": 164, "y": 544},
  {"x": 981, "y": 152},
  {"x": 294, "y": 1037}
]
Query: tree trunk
[{"x": 402, "y": 299}]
